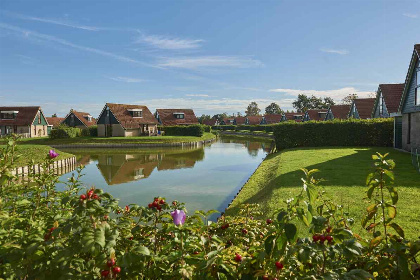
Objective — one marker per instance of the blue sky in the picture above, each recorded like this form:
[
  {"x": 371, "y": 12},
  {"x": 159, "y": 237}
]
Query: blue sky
[{"x": 212, "y": 56}]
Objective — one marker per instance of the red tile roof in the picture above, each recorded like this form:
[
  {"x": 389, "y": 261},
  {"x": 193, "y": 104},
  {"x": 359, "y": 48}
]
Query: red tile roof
[
  {"x": 25, "y": 116},
  {"x": 167, "y": 117},
  {"x": 315, "y": 116},
  {"x": 210, "y": 122},
  {"x": 364, "y": 107},
  {"x": 290, "y": 116},
  {"x": 274, "y": 118},
  {"x": 254, "y": 120},
  {"x": 120, "y": 111},
  {"x": 392, "y": 95},
  {"x": 81, "y": 116},
  {"x": 54, "y": 121},
  {"x": 228, "y": 121},
  {"x": 240, "y": 120},
  {"x": 340, "y": 111}
]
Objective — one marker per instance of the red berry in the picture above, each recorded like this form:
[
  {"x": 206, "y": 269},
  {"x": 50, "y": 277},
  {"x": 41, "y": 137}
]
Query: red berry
[
  {"x": 195, "y": 253},
  {"x": 105, "y": 273},
  {"x": 322, "y": 238},
  {"x": 106, "y": 217},
  {"x": 110, "y": 262},
  {"x": 162, "y": 201},
  {"x": 159, "y": 207},
  {"x": 174, "y": 203},
  {"x": 265, "y": 277},
  {"x": 244, "y": 231},
  {"x": 279, "y": 265},
  {"x": 329, "y": 238},
  {"x": 155, "y": 203},
  {"x": 156, "y": 199},
  {"x": 269, "y": 221},
  {"x": 47, "y": 236},
  {"x": 95, "y": 196},
  {"x": 315, "y": 237},
  {"x": 127, "y": 208},
  {"x": 131, "y": 238},
  {"x": 238, "y": 257},
  {"x": 90, "y": 193},
  {"x": 328, "y": 229},
  {"x": 83, "y": 197},
  {"x": 116, "y": 270},
  {"x": 150, "y": 205},
  {"x": 51, "y": 229}
]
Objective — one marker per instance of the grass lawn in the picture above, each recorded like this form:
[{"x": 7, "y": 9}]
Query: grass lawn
[
  {"x": 118, "y": 140},
  {"x": 344, "y": 171},
  {"x": 37, "y": 153}
]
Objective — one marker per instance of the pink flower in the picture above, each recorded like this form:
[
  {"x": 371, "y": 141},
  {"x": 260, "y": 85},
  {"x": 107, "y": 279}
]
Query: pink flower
[
  {"x": 179, "y": 217},
  {"x": 52, "y": 154}
]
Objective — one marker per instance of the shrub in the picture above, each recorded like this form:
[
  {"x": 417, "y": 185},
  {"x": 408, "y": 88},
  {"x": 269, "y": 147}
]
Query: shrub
[
  {"x": 207, "y": 128},
  {"x": 84, "y": 234},
  {"x": 90, "y": 131},
  {"x": 184, "y": 130},
  {"x": 64, "y": 131},
  {"x": 374, "y": 132},
  {"x": 266, "y": 128}
]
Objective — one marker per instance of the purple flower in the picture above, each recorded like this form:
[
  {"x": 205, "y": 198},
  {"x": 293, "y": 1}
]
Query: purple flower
[
  {"x": 52, "y": 154},
  {"x": 179, "y": 217}
]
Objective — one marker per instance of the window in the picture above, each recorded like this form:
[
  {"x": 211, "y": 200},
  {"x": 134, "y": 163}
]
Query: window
[
  {"x": 137, "y": 114},
  {"x": 417, "y": 89},
  {"x": 179, "y": 116},
  {"x": 322, "y": 115},
  {"x": 39, "y": 117},
  {"x": 107, "y": 112},
  {"x": 381, "y": 105}
]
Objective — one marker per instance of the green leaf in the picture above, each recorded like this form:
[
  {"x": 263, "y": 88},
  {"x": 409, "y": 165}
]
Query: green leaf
[
  {"x": 372, "y": 208},
  {"x": 281, "y": 215},
  {"x": 389, "y": 173},
  {"x": 312, "y": 193},
  {"x": 392, "y": 210},
  {"x": 141, "y": 250},
  {"x": 397, "y": 228},
  {"x": 291, "y": 231},
  {"x": 375, "y": 241},
  {"x": 393, "y": 193},
  {"x": 357, "y": 274},
  {"x": 269, "y": 244},
  {"x": 370, "y": 192}
]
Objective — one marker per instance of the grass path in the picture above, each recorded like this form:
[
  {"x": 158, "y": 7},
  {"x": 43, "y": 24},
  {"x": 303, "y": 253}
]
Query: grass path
[{"x": 344, "y": 171}]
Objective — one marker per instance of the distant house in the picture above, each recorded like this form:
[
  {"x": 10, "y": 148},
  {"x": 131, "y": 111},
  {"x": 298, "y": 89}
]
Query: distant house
[
  {"x": 239, "y": 121},
  {"x": 297, "y": 117},
  {"x": 79, "y": 119},
  {"x": 126, "y": 120},
  {"x": 272, "y": 119},
  {"x": 54, "y": 121},
  {"x": 407, "y": 119},
  {"x": 340, "y": 112},
  {"x": 26, "y": 121},
  {"x": 211, "y": 122},
  {"x": 228, "y": 121},
  {"x": 362, "y": 108},
  {"x": 169, "y": 117},
  {"x": 315, "y": 115},
  {"x": 254, "y": 120},
  {"x": 388, "y": 97}
]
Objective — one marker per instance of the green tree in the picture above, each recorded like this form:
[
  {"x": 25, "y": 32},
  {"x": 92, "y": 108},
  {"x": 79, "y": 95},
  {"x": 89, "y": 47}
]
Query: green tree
[
  {"x": 252, "y": 109},
  {"x": 273, "y": 108},
  {"x": 348, "y": 100},
  {"x": 304, "y": 103},
  {"x": 54, "y": 116},
  {"x": 203, "y": 117}
]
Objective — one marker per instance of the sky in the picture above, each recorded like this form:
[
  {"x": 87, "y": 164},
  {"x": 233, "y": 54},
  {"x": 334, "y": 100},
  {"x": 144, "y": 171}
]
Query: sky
[{"x": 211, "y": 56}]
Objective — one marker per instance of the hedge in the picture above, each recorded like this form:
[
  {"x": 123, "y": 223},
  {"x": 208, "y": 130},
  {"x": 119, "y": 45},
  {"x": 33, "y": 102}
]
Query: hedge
[
  {"x": 375, "y": 132},
  {"x": 266, "y": 128},
  {"x": 90, "y": 131},
  {"x": 181, "y": 130},
  {"x": 64, "y": 131}
]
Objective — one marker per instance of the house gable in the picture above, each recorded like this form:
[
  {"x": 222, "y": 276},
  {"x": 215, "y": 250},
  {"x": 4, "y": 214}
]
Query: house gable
[
  {"x": 408, "y": 101},
  {"x": 107, "y": 117},
  {"x": 40, "y": 119},
  {"x": 72, "y": 120}
]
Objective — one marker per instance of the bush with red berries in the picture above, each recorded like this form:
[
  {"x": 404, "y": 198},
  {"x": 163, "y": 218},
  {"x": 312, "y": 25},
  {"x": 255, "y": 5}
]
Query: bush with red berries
[{"x": 85, "y": 234}]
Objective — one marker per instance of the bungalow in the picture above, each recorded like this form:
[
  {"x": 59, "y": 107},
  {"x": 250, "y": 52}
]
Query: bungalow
[
  {"x": 315, "y": 115},
  {"x": 54, "y": 121},
  {"x": 362, "y": 108},
  {"x": 228, "y": 121},
  {"x": 211, "y": 122},
  {"x": 387, "y": 100},
  {"x": 254, "y": 120},
  {"x": 126, "y": 120},
  {"x": 79, "y": 119},
  {"x": 338, "y": 112},
  {"x": 407, "y": 119},
  {"x": 272, "y": 119},
  {"x": 298, "y": 117},
  {"x": 169, "y": 117},
  {"x": 25, "y": 121}
]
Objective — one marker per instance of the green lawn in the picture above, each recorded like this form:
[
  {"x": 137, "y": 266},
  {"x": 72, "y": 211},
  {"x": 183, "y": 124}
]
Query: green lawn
[
  {"x": 37, "y": 153},
  {"x": 344, "y": 171},
  {"x": 118, "y": 140}
]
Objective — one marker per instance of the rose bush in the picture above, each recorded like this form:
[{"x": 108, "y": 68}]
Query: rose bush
[{"x": 84, "y": 234}]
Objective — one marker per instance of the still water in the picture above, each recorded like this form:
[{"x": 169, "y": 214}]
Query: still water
[{"x": 204, "y": 178}]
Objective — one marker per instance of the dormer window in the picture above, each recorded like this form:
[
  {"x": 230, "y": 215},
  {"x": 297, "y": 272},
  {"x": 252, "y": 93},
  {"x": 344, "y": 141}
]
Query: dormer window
[
  {"x": 322, "y": 115},
  {"x": 297, "y": 117},
  {"x": 179, "y": 115},
  {"x": 88, "y": 118},
  {"x": 136, "y": 113},
  {"x": 8, "y": 115}
]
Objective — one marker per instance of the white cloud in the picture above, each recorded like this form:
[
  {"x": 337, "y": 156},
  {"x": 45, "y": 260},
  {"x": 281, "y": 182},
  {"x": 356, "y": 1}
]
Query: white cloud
[
  {"x": 335, "y": 51},
  {"x": 127, "y": 79},
  {"x": 197, "y": 95},
  {"x": 336, "y": 94},
  {"x": 52, "y": 21},
  {"x": 170, "y": 43},
  {"x": 48, "y": 38},
  {"x": 209, "y": 61},
  {"x": 410, "y": 15}
]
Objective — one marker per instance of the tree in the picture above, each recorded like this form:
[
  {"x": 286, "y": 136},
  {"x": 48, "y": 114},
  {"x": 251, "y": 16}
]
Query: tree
[
  {"x": 348, "y": 100},
  {"x": 273, "y": 108},
  {"x": 220, "y": 117},
  {"x": 239, "y": 114},
  {"x": 304, "y": 103},
  {"x": 203, "y": 118},
  {"x": 54, "y": 116},
  {"x": 252, "y": 109}
]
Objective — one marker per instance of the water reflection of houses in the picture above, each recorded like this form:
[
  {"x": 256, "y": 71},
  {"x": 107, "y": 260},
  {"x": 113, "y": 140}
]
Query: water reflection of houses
[
  {"x": 251, "y": 146},
  {"x": 122, "y": 168}
]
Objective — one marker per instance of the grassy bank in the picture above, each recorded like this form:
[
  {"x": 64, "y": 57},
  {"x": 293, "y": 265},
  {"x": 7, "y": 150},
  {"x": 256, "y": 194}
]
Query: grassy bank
[
  {"x": 37, "y": 153},
  {"x": 117, "y": 140},
  {"x": 344, "y": 171}
]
